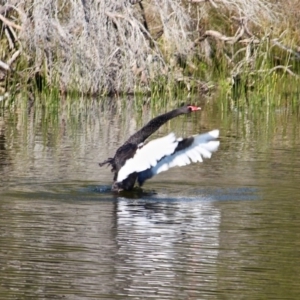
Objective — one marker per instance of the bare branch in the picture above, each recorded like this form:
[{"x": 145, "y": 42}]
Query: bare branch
[
  {"x": 249, "y": 40},
  {"x": 222, "y": 37},
  {"x": 9, "y": 23},
  {"x": 202, "y": 1},
  {"x": 14, "y": 57},
  {"x": 286, "y": 69},
  {"x": 10, "y": 42},
  {"x": 284, "y": 47},
  {"x": 4, "y": 66},
  {"x": 217, "y": 35}
]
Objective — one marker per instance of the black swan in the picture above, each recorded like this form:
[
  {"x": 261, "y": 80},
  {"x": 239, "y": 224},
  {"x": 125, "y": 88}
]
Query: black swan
[{"x": 137, "y": 161}]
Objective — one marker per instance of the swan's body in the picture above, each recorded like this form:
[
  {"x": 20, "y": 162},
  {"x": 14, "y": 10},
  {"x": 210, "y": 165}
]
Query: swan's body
[{"x": 135, "y": 161}]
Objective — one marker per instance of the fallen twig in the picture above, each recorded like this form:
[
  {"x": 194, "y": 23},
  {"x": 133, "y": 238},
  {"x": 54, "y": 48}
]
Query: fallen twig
[
  {"x": 9, "y": 23},
  {"x": 284, "y": 47},
  {"x": 10, "y": 41},
  {"x": 4, "y": 66},
  {"x": 286, "y": 69},
  {"x": 14, "y": 57},
  {"x": 201, "y": 1},
  {"x": 222, "y": 37}
]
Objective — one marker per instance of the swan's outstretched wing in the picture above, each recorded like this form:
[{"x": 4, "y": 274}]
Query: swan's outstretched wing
[
  {"x": 148, "y": 155},
  {"x": 192, "y": 149}
]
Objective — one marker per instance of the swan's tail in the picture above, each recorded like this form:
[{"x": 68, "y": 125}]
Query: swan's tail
[{"x": 108, "y": 161}]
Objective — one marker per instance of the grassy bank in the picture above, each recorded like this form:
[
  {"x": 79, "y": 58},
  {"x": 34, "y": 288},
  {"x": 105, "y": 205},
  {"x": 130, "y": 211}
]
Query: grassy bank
[{"x": 171, "y": 49}]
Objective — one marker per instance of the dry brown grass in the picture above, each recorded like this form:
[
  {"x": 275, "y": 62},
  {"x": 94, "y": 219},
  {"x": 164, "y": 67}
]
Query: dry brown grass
[
  {"x": 102, "y": 46},
  {"x": 113, "y": 46}
]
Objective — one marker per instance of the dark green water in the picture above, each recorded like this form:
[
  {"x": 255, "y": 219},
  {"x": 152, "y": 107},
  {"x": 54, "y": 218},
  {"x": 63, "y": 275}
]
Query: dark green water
[{"x": 224, "y": 229}]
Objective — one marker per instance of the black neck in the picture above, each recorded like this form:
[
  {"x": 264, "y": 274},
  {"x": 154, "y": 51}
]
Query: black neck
[{"x": 152, "y": 126}]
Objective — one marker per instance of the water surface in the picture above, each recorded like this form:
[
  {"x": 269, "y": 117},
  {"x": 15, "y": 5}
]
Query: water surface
[{"x": 224, "y": 229}]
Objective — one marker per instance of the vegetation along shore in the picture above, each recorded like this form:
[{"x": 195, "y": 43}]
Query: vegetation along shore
[{"x": 237, "y": 48}]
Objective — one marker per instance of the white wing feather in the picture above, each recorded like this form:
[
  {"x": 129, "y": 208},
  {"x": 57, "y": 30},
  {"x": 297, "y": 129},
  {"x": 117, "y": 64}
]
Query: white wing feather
[
  {"x": 202, "y": 147},
  {"x": 148, "y": 156}
]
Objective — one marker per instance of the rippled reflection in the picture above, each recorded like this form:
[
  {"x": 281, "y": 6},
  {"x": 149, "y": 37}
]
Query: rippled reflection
[{"x": 167, "y": 246}]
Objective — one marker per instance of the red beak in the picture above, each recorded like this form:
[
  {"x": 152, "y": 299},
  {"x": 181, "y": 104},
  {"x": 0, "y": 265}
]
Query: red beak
[{"x": 194, "y": 108}]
